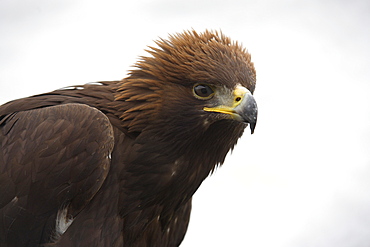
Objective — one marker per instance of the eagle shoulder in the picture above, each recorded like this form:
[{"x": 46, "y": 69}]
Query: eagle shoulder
[{"x": 52, "y": 160}]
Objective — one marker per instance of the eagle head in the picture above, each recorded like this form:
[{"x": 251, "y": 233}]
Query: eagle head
[{"x": 194, "y": 88}]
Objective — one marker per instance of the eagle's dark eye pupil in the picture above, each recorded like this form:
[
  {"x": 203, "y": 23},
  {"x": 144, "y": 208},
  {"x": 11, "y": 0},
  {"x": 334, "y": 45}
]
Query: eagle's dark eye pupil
[{"x": 203, "y": 90}]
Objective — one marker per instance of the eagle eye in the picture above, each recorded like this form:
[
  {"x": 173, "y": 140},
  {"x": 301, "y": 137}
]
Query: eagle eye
[{"x": 203, "y": 91}]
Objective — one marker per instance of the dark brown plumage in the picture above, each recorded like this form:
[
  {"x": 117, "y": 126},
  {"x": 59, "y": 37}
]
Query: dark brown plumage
[{"x": 117, "y": 163}]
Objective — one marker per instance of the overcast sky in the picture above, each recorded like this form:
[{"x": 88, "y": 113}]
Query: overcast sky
[{"x": 303, "y": 178}]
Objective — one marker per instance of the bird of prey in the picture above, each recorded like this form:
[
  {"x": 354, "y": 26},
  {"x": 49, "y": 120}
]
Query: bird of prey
[{"x": 116, "y": 163}]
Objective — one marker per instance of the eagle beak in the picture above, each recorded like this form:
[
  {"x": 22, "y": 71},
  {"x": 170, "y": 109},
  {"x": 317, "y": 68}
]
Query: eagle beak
[
  {"x": 247, "y": 111},
  {"x": 243, "y": 107}
]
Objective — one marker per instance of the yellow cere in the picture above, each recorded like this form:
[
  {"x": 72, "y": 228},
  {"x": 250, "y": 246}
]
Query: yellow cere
[{"x": 238, "y": 93}]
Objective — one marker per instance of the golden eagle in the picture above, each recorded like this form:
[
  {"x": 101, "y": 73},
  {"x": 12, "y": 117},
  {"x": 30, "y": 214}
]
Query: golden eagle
[{"x": 116, "y": 163}]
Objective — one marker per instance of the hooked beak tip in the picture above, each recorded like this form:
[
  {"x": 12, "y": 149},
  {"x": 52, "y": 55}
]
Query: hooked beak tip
[{"x": 252, "y": 127}]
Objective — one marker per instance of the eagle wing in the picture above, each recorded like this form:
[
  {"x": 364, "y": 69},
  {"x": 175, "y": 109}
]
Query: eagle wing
[{"x": 53, "y": 160}]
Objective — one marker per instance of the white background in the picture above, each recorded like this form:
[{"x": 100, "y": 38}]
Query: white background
[{"x": 303, "y": 178}]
